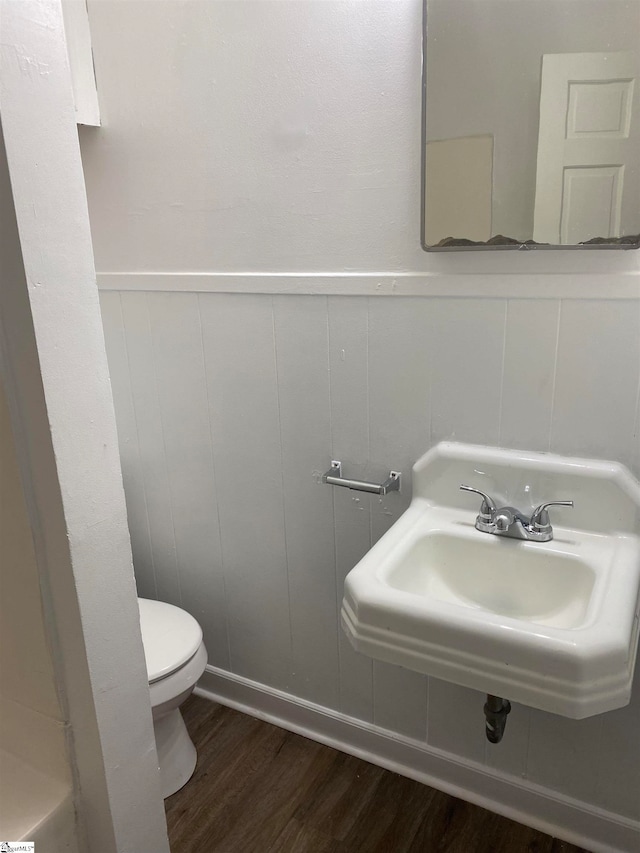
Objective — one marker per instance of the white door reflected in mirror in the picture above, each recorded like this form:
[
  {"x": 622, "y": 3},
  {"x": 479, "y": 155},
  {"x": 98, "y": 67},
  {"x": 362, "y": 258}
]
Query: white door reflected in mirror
[{"x": 589, "y": 135}]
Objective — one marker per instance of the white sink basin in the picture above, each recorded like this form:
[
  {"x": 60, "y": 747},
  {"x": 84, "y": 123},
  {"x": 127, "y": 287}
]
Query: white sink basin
[
  {"x": 553, "y": 625},
  {"x": 541, "y": 585}
]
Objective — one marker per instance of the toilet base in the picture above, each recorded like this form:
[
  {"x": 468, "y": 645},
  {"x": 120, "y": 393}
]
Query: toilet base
[{"x": 176, "y": 752}]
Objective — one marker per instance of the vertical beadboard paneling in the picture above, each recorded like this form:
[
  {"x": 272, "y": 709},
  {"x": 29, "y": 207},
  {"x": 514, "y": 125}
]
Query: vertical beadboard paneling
[
  {"x": 529, "y": 368},
  {"x": 305, "y": 421},
  {"x": 456, "y": 720},
  {"x": 597, "y": 379},
  {"x": 396, "y": 368},
  {"x": 399, "y": 375},
  {"x": 563, "y": 754},
  {"x": 510, "y": 755},
  {"x": 144, "y": 389},
  {"x": 619, "y": 759},
  {"x": 399, "y": 694},
  {"x": 466, "y": 369},
  {"x": 635, "y": 462},
  {"x": 399, "y": 433},
  {"x": 349, "y": 371},
  {"x": 182, "y": 393},
  {"x": 348, "y": 345},
  {"x": 132, "y": 475},
  {"x": 240, "y": 363},
  {"x": 400, "y": 700},
  {"x": 352, "y": 541}
]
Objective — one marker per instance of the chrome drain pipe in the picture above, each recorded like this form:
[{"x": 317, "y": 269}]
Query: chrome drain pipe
[{"x": 495, "y": 712}]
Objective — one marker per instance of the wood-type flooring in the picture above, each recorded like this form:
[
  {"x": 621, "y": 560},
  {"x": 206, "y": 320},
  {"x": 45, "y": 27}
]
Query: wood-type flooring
[{"x": 260, "y": 789}]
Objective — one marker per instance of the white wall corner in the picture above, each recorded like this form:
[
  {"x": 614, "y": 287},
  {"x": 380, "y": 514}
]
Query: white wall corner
[{"x": 55, "y": 372}]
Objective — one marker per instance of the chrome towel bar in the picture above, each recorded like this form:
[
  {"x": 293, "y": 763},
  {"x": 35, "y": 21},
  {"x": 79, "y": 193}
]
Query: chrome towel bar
[{"x": 334, "y": 477}]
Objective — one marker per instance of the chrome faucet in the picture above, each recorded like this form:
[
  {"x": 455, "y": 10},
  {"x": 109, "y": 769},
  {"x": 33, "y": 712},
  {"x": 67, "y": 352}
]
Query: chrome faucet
[{"x": 509, "y": 521}]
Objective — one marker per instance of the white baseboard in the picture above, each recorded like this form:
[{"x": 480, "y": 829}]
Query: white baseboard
[{"x": 548, "y": 811}]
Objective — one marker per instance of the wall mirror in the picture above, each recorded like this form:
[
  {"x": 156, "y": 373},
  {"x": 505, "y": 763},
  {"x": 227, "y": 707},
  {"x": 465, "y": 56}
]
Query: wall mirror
[{"x": 531, "y": 124}]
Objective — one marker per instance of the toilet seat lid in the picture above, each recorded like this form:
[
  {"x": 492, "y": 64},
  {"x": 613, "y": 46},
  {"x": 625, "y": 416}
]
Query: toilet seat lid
[{"x": 170, "y": 637}]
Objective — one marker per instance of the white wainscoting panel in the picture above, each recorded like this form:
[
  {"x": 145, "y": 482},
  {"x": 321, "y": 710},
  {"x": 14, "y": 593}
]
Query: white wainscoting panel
[
  {"x": 618, "y": 770},
  {"x": 564, "y": 754},
  {"x": 231, "y": 406},
  {"x": 240, "y": 359},
  {"x": 511, "y": 754},
  {"x": 133, "y": 471},
  {"x": 597, "y": 379},
  {"x": 301, "y": 335},
  {"x": 179, "y": 367},
  {"x": 349, "y": 385},
  {"x": 144, "y": 379},
  {"x": 467, "y": 348},
  {"x": 529, "y": 371},
  {"x": 399, "y": 424}
]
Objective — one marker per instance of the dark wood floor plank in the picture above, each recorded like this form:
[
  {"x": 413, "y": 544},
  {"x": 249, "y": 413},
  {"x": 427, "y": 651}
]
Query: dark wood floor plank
[
  {"x": 559, "y": 846},
  {"x": 500, "y": 835},
  {"x": 230, "y": 754},
  {"x": 392, "y": 817},
  {"x": 448, "y": 827},
  {"x": 342, "y": 792},
  {"x": 260, "y": 789},
  {"x": 253, "y": 823},
  {"x": 297, "y": 838}
]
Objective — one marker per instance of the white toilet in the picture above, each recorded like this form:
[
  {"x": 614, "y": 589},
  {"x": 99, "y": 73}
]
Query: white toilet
[{"x": 176, "y": 658}]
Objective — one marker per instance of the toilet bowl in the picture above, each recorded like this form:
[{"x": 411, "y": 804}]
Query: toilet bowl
[{"x": 176, "y": 658}]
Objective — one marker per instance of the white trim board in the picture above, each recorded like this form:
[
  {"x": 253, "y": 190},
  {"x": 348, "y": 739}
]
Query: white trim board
[
  {"x": 548, "y": 811},
  {"x": 625, "y": 285},
  {"x": 83, "y": 79}
]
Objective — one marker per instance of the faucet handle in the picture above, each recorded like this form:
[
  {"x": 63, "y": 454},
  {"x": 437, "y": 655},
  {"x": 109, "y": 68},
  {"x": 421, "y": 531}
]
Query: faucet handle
[
  {"x": 488, "y": 506},
  {"x": 540, "y": 517}
]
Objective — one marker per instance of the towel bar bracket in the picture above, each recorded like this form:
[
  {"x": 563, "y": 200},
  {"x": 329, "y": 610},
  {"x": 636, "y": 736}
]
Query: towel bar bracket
[{"x": 334, "y": 478}]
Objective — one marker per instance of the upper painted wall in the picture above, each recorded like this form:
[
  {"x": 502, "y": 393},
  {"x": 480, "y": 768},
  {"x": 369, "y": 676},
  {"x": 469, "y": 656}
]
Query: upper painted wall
[{"x": 266, "y": 135}]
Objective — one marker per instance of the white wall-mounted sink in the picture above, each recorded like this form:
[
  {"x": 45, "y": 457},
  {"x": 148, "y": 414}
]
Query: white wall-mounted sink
[{"x": 553, "y": 625}]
